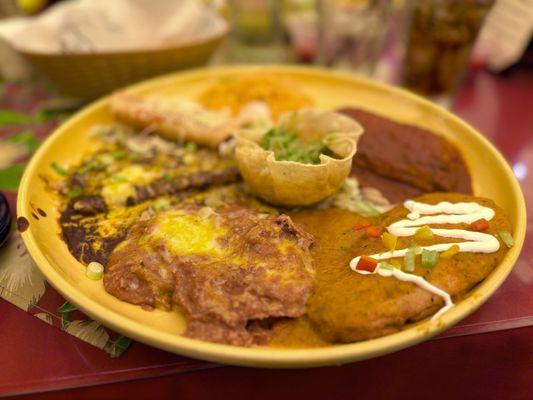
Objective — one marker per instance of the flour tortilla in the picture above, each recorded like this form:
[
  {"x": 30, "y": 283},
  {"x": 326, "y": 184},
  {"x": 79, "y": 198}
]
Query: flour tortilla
[{"x": 173, "y": 118}]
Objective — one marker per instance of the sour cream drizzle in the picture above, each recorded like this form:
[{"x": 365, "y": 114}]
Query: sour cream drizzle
[{"x": 442, "y": 213}]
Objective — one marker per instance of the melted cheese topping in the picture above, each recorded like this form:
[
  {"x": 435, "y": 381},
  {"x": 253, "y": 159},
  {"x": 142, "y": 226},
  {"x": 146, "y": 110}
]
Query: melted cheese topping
[
  {"x": 120, "y": 186},
  {"x": 188, "y": 233}
]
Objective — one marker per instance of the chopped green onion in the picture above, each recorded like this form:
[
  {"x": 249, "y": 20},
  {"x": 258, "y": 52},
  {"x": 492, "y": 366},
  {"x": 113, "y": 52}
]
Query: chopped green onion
[
  {"x": 168, "y": 177},
  {"x": 59, "y": 169},
  {"x": 507, "y": 238},
  {"x": 190, "y": 146},
  {"x": 161, "y": 204},
  {"x": 106, "y": 158},
  {"x": 429, "y": 258},
  {"x": 88, "y": 166},
  {"x": 10, "y": 177},
  {"x": 386, "y": 265},
  {"x": 415, "y": 248},
  {"x": 8, "y": 117},
  {"x": 26, "y": 138},
  {"x": 366, "y": 209},
  {"x": 409, "y": 261},
  {"x": 118, "y": 154},
  {"x": 95, "y": 271},
  {"x": 76, "y": 191},
  {"x": 117, "y": 179}
]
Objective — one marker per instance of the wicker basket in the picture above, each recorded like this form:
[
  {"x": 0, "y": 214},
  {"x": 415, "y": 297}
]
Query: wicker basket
[{"x": 87, "y": 76}]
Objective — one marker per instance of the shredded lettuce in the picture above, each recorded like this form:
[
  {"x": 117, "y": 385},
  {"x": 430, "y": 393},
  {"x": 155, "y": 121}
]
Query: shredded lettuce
[{"x": 287, "y": 146}]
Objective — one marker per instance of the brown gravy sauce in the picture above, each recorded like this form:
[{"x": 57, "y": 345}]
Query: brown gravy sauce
[
  {"x": 404, "y": 161},
  {"x": 333, "y": 250}
]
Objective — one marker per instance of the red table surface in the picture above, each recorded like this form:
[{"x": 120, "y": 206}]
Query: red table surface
[{"x": 35, "y": 357}]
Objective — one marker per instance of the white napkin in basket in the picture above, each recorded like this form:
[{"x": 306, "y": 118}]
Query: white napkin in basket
[{"x": 104, "y": 26}]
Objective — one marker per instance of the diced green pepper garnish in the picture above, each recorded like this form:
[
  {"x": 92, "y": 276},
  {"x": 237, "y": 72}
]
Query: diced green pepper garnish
[
  {"x": 429, "y": 258},
  {"x": 415, "y": 248},
  {"x": 507, "y": 238},
  {"x": 386, "y": 265},
  {"x": 409, "y": 261}
]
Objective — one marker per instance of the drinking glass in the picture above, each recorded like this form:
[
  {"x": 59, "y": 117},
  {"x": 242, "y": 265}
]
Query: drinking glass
[
  {"x": 352, "y": 33},
  {"x": 439, "y": 42},
  {"x": 257, "y": 32}
]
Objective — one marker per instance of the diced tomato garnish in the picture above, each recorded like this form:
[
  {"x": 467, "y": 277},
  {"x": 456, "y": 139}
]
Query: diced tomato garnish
[
  {"x": 373, "y": 232},
  {"x": 362, "y": 225},
  {"x": 367, "y": 264},
  {"x": 480, "y": 225}
]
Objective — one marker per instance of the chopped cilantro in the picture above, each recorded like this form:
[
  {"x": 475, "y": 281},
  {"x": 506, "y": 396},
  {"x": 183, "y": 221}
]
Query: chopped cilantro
[
  {"x": 49, "y": 115},
  {"x": 117, "y": 179}
]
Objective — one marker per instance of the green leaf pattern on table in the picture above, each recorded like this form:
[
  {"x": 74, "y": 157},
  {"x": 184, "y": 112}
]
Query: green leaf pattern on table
[
  {"x": 89, "y": 331},
  {"x": 26, "y": 138},
  {"x": 12, "y": 149},
  {"x": 21, "y": 282},
  {"x": 116, "y": 348},
  {"x": 10, "y": 152},
  {"x": 45, "y": 317},
  {"x": 8, "y": 117},
  {"x": 10, "y": 177},
  {"x": 66, "y": 307}
]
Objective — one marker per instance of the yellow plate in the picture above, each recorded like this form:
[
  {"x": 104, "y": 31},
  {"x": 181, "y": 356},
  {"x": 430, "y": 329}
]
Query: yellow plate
[{"x": 491, "y": 175}]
